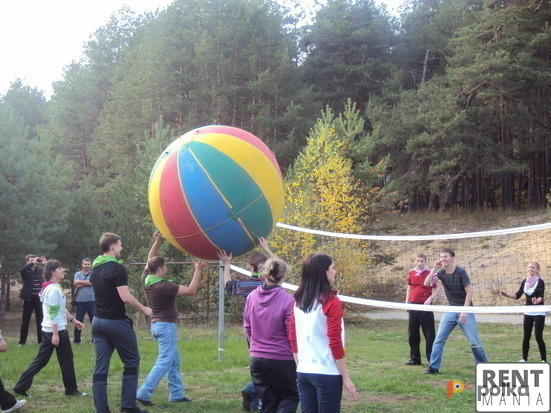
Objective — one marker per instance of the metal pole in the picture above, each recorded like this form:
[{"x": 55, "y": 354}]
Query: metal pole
[{"x": 221, "y": 313}]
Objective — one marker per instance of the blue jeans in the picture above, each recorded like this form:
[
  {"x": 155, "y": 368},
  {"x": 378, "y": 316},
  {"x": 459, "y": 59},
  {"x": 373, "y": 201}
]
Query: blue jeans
[
  {"x": 319, "y": 393},
  {"x": 255, "y": 400},
  {"x": 448, "y": 322},
  {"x": 168, "y": 363},
  {"x": 108, "y": 336},
  {"x": 83, "y": 308}
]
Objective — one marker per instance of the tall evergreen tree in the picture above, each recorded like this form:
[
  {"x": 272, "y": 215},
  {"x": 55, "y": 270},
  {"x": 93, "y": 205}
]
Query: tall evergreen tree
[
  {"x": 203, "y": 63},
  {"x": 27, "y": 103},
  {"x": 347, "y": 53},
  {"x": 463, "y": 138},
  {"x": 33, "y": 196}
]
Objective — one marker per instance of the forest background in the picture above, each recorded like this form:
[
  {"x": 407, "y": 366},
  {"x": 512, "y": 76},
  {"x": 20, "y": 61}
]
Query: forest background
[{"x": 444, "y": 108}]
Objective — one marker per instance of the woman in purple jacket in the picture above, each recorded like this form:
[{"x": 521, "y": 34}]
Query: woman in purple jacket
[{"x": 266, "y": 321}]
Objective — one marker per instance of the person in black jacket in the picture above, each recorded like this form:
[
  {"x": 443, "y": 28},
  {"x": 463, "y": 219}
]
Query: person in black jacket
[
  {"x": 32, "y": 284},
  {"x": 533, "y": 288}
]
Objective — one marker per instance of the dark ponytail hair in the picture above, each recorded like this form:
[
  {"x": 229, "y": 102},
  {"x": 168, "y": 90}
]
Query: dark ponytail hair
[
  {"x": 49, "y": 268},
  {"x": 275, "y": 269},
  {"x": 314, "y": 285}
]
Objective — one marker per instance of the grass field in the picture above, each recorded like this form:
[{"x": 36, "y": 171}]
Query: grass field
[{"x": 376, "y": 352}]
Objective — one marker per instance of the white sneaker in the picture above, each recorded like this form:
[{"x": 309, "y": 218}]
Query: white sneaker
[
  {"x": 20, "y": 403},
  {"x": 544, "y": 361},
  {"x": 522, "y": 361}
]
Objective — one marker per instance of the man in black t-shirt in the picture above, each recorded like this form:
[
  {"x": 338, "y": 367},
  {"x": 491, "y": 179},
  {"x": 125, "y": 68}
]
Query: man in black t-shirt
[
  {"x": 457, "y": 287},
  {"x": 111, "y": 328}
]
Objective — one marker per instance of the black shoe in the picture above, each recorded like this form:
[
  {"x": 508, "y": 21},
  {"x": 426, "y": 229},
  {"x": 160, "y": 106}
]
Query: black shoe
[
  {"x": 77, "y": 393},
  {"x": 246, "y": 401},
  {"x": 146, "y": 402},
  {"x": 430, "y": 370},
  {"x": 23, "y": 393},
  {"x": 133, "y": 410},
  {"x": 412, "y": 363},
  {"x": 183, "y": 399}
]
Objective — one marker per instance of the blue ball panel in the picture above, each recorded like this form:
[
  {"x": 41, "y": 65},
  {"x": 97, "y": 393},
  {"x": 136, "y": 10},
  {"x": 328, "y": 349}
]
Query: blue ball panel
[{"x": 216, "y": 218}]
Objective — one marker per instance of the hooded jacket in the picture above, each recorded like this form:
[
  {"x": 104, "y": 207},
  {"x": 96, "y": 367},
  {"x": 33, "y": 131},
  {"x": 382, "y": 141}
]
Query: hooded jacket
[
  {"x": 266, "y": 321},
  {"x": 53, "y": 307}
]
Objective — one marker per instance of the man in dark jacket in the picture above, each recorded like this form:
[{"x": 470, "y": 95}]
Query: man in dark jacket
[{"x": 32, "y": 284}]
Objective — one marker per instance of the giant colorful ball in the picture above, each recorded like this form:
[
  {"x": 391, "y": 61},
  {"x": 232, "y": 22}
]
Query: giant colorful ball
[{"x": 215, "y": 188}]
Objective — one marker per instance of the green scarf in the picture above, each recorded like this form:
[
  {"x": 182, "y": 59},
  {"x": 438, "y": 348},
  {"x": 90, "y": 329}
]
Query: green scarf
[
  {"x": 153, "y": 279},
  {"x": 102, "y": 259}
]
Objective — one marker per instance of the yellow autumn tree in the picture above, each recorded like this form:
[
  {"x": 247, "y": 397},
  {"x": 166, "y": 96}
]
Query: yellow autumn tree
[{"x": 321, "y": 193}]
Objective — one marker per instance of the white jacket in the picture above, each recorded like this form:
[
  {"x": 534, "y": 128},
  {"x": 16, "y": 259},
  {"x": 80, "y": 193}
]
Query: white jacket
[{"x": 53, "y": 307}]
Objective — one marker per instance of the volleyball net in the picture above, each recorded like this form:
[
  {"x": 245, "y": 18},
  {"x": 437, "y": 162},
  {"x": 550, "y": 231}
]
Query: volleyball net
[{"x": 373, "y": 269}]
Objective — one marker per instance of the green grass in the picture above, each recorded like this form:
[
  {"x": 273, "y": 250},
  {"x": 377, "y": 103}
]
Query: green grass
[{"x": 376, "y": 352}]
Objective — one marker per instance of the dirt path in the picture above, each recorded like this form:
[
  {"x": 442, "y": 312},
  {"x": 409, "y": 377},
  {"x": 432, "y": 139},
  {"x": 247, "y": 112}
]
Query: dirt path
[{"x": 483, "y": 318}]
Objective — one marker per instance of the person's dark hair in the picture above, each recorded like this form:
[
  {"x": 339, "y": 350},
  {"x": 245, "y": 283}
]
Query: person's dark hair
[
  {"x": 86, "y": 259},
  {"x": 421, "y": 256},
  {"x": 49, "y": 268},
  {"x": 107, "y": 240},
  {"x": 154, "y": 264},
  {"x": 449, "y": 251},
  {"x": 255, "y": 259},
  {"x": 314, "y": 285},
  {"x": 275, "y": 269}
]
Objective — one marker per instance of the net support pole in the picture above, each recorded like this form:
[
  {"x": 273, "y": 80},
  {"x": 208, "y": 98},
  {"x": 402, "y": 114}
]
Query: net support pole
[{"x": 221, "y": 313}]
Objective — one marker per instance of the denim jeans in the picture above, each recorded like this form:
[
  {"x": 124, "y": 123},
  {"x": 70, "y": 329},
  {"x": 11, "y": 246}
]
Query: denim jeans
[
  {"x": 83, "y": 308},
  {"x": 255, "y": 400},
  {"x": 319, "y": 393},
  {"x": 168, "y": 363},
  {"x": 448, "y": 322},
  {"x": 108, "y": 336}
]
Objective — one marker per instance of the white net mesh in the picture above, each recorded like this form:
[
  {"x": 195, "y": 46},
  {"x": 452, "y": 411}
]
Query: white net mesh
[{"x": 374, "y": 269}]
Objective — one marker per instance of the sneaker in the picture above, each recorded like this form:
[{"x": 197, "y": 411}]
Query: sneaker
[
  {"x": 17, "y": 405},
  {"x": 544, "y": 361},
  {"x": 246, "y": 400},
  {"x": 412, "y": 363},
  {"x": 430, "y": 370},
  {"x": 133, "y": 410},
  {"x": 146, "y": 402},
  {"x": 183, "y": 399},
  {"x": 522, "y": 361},
  {"x": 77, "y": 393}
]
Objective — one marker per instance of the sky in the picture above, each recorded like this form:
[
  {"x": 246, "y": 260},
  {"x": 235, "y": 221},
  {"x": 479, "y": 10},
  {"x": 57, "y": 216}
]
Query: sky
[{"x": 38, "y": 38}]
